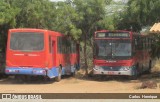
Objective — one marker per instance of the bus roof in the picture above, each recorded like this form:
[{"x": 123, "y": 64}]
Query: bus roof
[
  {"x": 26, "y": 29},
  {"x": 113, "y": 31},
  {"x": 34, "y": 30}
]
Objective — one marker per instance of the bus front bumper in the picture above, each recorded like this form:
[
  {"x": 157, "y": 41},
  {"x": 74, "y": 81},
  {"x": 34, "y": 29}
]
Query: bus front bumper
[
  {"x": 51, "y": 73},
  {"x": 25, "y": 71},
  {"x": 120, "y": 70}
]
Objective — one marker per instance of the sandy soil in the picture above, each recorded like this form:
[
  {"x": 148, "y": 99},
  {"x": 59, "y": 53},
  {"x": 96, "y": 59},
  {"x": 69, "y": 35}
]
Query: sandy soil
[{"x": 80, "y": 85}]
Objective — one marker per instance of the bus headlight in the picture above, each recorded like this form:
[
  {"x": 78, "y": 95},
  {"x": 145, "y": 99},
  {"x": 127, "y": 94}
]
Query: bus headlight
[
  {"x": 124, "y": 68},
  {"x": 98, "y": 67}
]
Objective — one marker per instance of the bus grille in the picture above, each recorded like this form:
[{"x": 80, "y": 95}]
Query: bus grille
[{"x": 108, "y": 68}]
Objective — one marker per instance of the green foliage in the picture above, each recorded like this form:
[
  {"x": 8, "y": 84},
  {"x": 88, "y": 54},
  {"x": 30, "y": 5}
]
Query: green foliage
[
  {"x": 65, "y": 18},
  {"x": 140, "y": 13},
  {"x": 7, "y": 13},
  {"x": 155, "y": 48},
  {"x": 77, "y": 18},
  {"x": 107, "y": 23},
  {"x": 92, "y": 13},
  {"x": 34, "y": 13}
]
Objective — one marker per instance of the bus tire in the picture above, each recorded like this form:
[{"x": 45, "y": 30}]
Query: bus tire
[
  {"x": 91, "y": 74},
  {"x": 135, "y": 76},
  {"x": 73, "y": 74},
  {"x": 149, "y": 69},
  {"x": 20, "y": 78},
  {"x": 58, "y": 78}
]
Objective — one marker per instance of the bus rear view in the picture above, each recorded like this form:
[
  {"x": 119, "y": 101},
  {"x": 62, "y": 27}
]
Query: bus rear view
[
  {"x": 40, "y": 52},
  {"x": 25, "y": 52}
]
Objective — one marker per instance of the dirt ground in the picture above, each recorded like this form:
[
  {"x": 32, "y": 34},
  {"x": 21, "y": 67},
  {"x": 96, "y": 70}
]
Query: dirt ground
[{"x": 82, "y": 85}]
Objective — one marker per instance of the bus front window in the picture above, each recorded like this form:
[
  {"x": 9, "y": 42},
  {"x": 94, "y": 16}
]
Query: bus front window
[
  {"x": 103, "y": 49},
  {"x": 112, "y": 49},
  {"x": 27, "y": 41},
  {"x": 121, "y": 49}
]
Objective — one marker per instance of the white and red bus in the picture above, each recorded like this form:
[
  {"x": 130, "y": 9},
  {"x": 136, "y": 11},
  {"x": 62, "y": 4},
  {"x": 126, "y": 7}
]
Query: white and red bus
[
  {"x": 39, "y": 52},
  {"x": 121, "y": 53}
]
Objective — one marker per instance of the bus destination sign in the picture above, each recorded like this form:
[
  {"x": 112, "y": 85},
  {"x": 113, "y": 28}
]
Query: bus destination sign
[{"x": 112, "y": 35}]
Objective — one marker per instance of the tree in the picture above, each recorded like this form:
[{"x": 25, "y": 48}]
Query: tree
[
  {"x": 65, "y": 19},
  {"x": 7, "y": 20},
  {"x": 34, "y": 13},
  {"x": 140, "y": 13},
  {"x": 91, "y": 12}
]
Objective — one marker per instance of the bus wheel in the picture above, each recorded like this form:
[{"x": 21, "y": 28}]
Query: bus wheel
[
  {"x": 20, "y": 78},
  {"x": 58, "y": 78},
  {"x": 91, "y": 74},
  {"x": 73, "y": 74},
  {"x": 149, "y": 69},
  {"x": 135, "y": 76}
]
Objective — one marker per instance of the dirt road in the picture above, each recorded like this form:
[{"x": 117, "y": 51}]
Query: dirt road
[
  {"x": 83, "y": 84},
  {"x": 80, "y": 85}
]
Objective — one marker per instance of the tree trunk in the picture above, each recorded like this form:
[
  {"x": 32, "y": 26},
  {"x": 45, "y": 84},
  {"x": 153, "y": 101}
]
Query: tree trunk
[{"x": 85, "y": 54}]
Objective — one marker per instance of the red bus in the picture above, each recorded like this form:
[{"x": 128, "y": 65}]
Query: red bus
[
  {"x": 39, "y": 52},
  {"x": 121, "y": 53}
]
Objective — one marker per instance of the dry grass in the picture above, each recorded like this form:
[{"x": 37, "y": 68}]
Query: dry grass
[
  {"x": 80, "y": 73},
  {"x": 156, "y": 68}
]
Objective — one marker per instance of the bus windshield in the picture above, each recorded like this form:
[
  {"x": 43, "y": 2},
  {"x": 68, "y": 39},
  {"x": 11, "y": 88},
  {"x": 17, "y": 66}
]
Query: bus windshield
[
  {"x": 112, "y": 49},
  {"x": 27, "y": 41}
]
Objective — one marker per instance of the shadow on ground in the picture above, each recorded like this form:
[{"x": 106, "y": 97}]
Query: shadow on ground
[
  {"x": 155, "y": 76},
  {"x": 32, "y": 80},
  {"x": 102, "y": 78}
]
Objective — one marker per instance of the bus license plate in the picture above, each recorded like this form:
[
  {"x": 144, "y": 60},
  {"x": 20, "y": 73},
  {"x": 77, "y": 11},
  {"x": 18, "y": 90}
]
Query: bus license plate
[{"x": 110, "y": 73}]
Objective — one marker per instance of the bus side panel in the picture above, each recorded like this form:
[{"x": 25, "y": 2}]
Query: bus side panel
[
  {"x": 62, "y": 56},
  {"x": 53, "y": 58},
  {"x": 59, "y": 56}
]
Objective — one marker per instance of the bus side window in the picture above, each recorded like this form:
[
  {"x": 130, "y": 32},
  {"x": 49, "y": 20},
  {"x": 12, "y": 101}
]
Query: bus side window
[
  {"x": 148, "y": 43},
  {"x": 68, "y": 46},
  {"x": 50, "y": 44},
  {"x": 59, "y": 44},
  {"x": 140, "y": 43},
  {"x": 144, "y": 43},
  {"x": 73, "y": 47},
  {"x": 135, "y": 44}
]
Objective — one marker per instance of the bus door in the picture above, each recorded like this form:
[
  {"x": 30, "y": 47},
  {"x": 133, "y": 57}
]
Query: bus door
[{"x": 52, "y": 50}]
